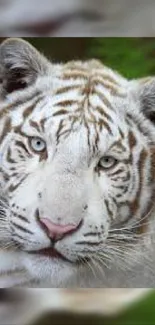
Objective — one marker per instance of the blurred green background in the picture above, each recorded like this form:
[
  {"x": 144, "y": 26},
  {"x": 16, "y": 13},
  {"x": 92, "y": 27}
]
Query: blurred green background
[{"x": 134, "y": 58}]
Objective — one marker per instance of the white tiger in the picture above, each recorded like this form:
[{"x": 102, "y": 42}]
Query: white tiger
[{"x": 77, "y": 173}]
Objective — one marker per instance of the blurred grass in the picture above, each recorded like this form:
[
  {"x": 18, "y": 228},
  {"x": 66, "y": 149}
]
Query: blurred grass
[
  {"x": 142, "y": 313},
  {"x": 133, "y": 57}
]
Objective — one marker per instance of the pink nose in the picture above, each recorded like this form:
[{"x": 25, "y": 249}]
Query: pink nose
[{"x": 57, "y": 231}]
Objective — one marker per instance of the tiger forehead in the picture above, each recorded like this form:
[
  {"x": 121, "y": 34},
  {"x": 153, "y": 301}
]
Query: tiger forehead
[
  {"x": 82, "y": 95},
  {"x": 86, "y": 79},
  {"x": 91, "y": 71},
  {"x": 86, "y": 89}
]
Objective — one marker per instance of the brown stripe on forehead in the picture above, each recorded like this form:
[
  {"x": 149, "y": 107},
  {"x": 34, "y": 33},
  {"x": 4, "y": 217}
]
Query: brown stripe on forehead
[
  {"x": 36, "y": 95},
  {"x": 42, "y": 123},
  {"x": 60, "y": 128},
  {"x": 109, "y": 78},
  {"x": 114, "y": 91},
  {"x": 75, "y": 75},
  {"x": 91, "y": 113},
  {"x": 13, "y": 106},
  {"x": 18, "y": 129},
  {"x": 103, "y": 113},
  {"x": 61, "y": 112},
  {"x": 65, "y": 103},
  {"x": 6, "y": 129},
  {"x": 87, "y": 89},
  {"x": 134, "y": 206},
  {"x": 35, "y": 125},
  {"x": 96, "y": 140},
  {"x": 102, "y": 124},
  {"x": 28, "y": 110},
  {"x": 88, "y": 134},
  {"x": 66, "y": 89},
  {"x": 104, "y": 99}
]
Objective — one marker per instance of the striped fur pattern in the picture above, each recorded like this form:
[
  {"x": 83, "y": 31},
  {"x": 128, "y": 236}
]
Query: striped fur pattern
[{"x": 95, "y": 168}]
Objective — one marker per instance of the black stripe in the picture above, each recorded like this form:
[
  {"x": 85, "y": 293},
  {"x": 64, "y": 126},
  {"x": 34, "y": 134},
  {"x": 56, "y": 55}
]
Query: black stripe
[
  {"x": 21, "y": 217},
  {"x": 22, "y": 145},
  {"x": 92, "y": 234},
  {"x": 22, "y": 228},
  {"x": 89, "y": 243}
]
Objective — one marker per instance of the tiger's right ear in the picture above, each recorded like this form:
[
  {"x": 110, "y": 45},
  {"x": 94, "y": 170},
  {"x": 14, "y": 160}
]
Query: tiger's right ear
[{"x": 20, "y": 65}]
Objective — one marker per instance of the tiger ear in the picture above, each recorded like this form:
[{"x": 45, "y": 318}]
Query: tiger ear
[
  {"x": 145, "y": 88},
  {"x": 20, "y": 65}
]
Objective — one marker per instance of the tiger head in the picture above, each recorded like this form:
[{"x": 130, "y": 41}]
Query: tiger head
[{"x": 77, "y": 162}]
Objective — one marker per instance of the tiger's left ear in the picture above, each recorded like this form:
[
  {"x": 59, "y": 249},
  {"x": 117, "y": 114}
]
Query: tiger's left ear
[
  {"x": 145, "y": 93},
  {"x": 20, "y": 65}
]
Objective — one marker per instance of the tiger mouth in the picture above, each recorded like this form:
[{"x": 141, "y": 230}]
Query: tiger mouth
[
  {"x": 48, "y": 252},
  {"x": 52, "y": 253}
]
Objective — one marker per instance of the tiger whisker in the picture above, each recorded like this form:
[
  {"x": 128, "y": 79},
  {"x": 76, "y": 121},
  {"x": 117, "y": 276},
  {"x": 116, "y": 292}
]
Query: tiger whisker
[
  {"x": 98, "y": 262},
  {"x": 137, "y": 223}
]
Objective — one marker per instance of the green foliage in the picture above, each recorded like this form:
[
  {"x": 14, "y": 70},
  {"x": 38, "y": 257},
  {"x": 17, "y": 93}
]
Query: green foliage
[
  {"x": 133, "y": 57},
  {"x": 141, "y": 313}
]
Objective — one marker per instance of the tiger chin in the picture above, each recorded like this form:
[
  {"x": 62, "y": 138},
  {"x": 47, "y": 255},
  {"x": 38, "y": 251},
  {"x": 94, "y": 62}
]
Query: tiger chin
[{"x": 77, "y": 170}]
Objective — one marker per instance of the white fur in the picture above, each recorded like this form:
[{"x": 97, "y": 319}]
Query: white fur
[{"x": 68, "y": 180}]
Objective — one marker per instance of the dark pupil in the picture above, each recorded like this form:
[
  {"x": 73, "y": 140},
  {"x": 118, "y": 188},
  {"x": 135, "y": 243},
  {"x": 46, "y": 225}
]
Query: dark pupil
[{"x": 38, "y": 143}]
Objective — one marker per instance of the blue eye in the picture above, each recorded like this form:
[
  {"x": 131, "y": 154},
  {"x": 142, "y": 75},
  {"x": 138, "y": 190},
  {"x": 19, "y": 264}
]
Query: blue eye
[
  {"x": 107, "y": 162},
  {"x": 37, "y": 144}
]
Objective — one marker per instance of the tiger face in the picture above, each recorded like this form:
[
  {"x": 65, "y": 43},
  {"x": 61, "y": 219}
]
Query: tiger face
[{"x": 77, "y": 164}]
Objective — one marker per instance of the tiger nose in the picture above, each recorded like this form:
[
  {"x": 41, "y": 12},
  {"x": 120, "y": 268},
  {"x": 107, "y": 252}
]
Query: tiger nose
[{"x": 57, "y": 231}]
